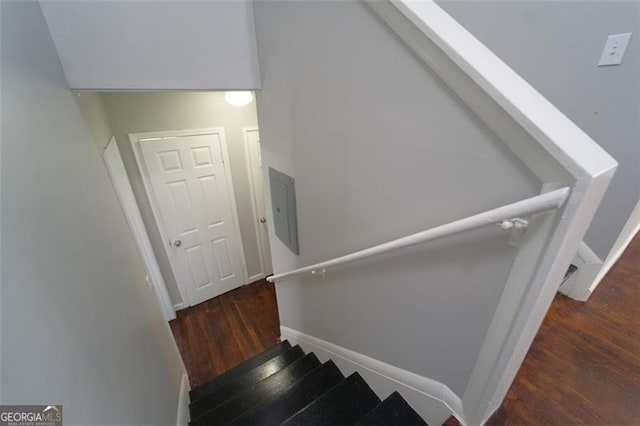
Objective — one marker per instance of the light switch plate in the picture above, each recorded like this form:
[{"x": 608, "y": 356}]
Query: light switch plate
[{"x": 614, "y": 49}]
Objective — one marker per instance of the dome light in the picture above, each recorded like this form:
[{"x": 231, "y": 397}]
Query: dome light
[{"x": 238, "y": 99}]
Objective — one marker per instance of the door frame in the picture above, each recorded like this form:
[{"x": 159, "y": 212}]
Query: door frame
[
  {"x": 135, "y": 139},
  {"x": 116, "y": 170},
  {"x": 252, "y": 192}
]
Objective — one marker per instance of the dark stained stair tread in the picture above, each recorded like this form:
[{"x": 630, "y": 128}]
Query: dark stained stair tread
[
  {"x": 283, "y": 386},
  {"x": 261, "y": 372},
  {"x": 393, "y": 411},
  {"x": 300, "y": 394},
  {"x": 232, "y": 374},
  {"x": 263, "y": 392},
  {"x": 344, "y": 404}
]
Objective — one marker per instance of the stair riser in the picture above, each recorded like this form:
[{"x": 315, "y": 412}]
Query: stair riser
[
  {"x": 263, "y": 392},
  {"x": 300, "y": 394},
  {"x": 237, "y": 371},
  {"x": 344, "y": 404},
  {"x": 223, "y": 393}
]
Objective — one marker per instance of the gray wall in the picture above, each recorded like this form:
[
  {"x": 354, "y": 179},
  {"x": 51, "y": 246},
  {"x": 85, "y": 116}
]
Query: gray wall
[
  {"x": 380, "y": 148},
  {"x": 80, "y": 327},
  {"x": 155, "y": 45},
  {"x": 145, "y": 112},
  {"x": 556, "y": 46},
  {"x": 95, "y": 116}
]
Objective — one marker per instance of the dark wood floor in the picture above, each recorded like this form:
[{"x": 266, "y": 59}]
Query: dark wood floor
[
  {"x": 220, "y": 333},
  {"x": 583, "y": 367}
]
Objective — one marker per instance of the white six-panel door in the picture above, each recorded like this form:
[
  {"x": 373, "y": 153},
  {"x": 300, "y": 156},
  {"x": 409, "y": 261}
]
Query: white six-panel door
[{"x": 192, "y": 191}]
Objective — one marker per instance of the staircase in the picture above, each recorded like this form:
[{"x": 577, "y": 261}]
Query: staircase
[{"x": 285, "y": 386}]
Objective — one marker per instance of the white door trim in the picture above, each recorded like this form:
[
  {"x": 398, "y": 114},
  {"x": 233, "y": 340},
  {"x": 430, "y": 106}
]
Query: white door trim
[
  {"x": 135, "y": 139},
  {"x": 121, "y": 185},
  {"x": 252, "y": 192}
]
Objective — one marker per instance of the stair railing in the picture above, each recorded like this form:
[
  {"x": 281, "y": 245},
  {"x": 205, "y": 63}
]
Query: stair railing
[{"x": 506, "y": 217}]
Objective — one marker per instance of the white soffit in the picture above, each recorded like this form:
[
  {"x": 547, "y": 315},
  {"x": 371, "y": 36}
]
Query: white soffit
[{"x": 155, "y": 45}]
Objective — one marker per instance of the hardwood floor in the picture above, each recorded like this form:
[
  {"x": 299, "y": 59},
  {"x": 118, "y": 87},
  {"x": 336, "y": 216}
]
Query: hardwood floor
[
  {"x": 583, "y": 367},
  {"x": 220, "y": 333}
]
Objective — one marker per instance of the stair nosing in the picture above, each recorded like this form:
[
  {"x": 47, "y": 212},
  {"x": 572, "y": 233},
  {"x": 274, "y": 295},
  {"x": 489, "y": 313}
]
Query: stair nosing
[
  {"x": 196, "y": 407},
  {"x": 353, "y": 377},
  {"x": 291, "y": 388},
  {"x": 278, "y": 348},
  {"x": 310, "y": 356},
  {"x": 407, "y": 410}
]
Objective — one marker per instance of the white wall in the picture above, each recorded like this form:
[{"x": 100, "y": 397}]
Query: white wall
[
  {"x": 555, "y": 46},
  {"x": 381, "y": 148},
  {"x": 144, "y": 112},
  {"x": 155, "y": 45},
  {"x": 1, "y": 235},
  {"x": 80, "y": 326}
]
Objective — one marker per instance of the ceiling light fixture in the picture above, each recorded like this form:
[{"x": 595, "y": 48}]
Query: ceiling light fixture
[{"x": 238, "y": 99}]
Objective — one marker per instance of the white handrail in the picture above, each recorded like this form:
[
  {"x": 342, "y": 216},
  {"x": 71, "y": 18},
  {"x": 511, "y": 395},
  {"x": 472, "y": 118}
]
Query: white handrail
[{"x": 505, "y": 216}]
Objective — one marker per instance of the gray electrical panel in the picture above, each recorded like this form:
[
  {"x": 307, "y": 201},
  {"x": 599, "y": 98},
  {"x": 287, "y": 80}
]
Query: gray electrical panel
[{"x": 283, "y": 201}]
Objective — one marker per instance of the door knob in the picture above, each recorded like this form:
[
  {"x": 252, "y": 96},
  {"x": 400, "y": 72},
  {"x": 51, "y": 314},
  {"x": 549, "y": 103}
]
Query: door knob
[
  {"x": 263, "y": 219},
  {"x": 177, "y": 243}
]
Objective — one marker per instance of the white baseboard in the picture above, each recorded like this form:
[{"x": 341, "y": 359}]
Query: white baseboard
[
  {"x": 183, "y": 403},
  {"x": 433, "y": 400},
  {"x": 588, "y": 263},
  {"x": 179, "y": 306},
  {"x": 256, "y": 277}
]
